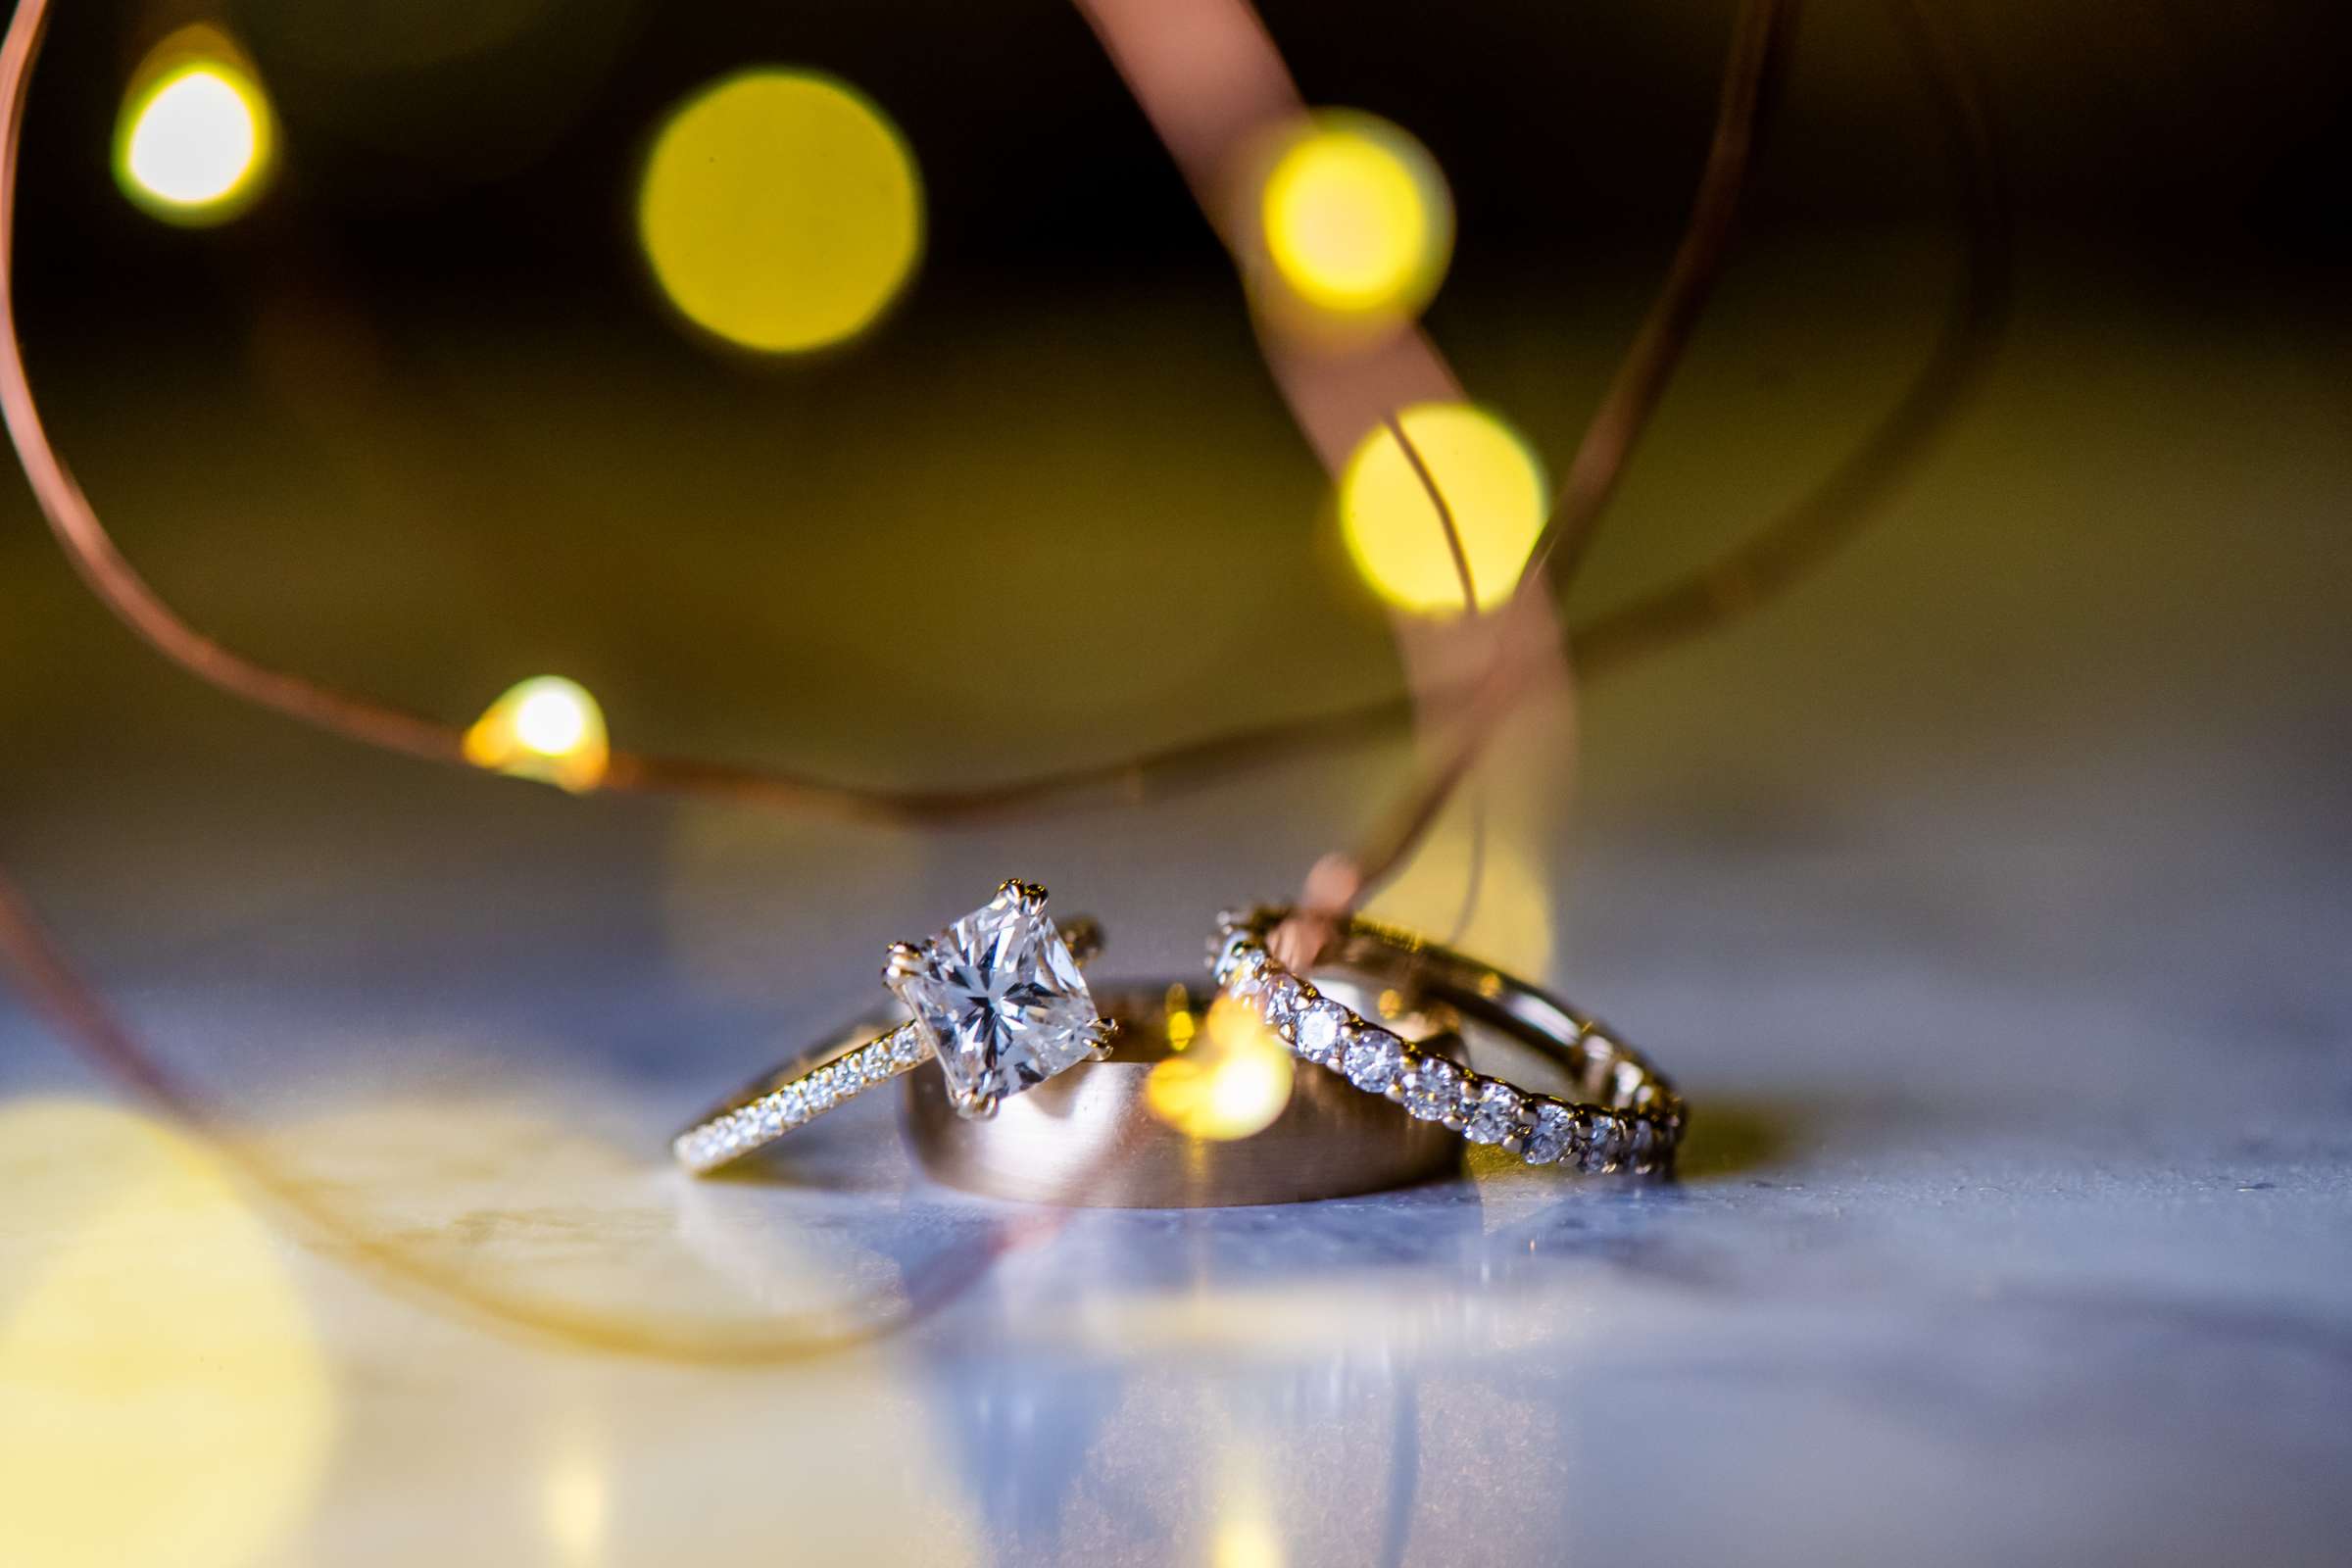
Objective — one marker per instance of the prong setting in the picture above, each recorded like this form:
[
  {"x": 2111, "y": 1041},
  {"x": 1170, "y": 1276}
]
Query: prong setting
[
  {"x": 1029, "y": 896},
  {"x": 1081, "y": 934},
  {"x": 902, "y": 959}
]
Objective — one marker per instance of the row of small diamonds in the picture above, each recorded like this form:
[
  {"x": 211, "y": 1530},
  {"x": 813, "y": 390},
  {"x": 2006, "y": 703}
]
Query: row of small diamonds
[
  {"x": 1539, "y": 1128},
  {"x": 767, "y": 1118}
]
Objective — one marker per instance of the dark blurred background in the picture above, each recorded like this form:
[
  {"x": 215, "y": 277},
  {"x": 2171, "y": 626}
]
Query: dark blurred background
[
  {"x": 419, "y": 421},
  {"x": 488, "y": 145},
  {"x": 1987, "y": 894}
]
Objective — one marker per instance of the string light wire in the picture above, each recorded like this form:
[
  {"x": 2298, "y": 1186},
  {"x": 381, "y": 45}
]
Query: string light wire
[{"x": 1754, "y": 571}]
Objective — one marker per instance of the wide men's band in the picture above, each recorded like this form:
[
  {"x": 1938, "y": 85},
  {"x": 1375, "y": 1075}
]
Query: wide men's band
[{"x": 1093, "y": 1137}]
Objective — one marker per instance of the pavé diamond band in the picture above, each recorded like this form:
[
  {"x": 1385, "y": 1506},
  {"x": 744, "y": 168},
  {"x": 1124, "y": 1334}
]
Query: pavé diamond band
[
  {"x": 1625, "y": 1116},
  {"x": 996, "y": 998}
]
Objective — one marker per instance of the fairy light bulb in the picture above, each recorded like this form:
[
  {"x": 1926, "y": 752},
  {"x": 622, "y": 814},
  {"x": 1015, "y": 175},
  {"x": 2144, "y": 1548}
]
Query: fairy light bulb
[
  {"x": 1494, "y": 490},
  {"x": 195, "y": 140},
  {"x": 780, "y": 210},
  {"x": 545, "y": 728},
  {"x": 1357, "y": 220}
]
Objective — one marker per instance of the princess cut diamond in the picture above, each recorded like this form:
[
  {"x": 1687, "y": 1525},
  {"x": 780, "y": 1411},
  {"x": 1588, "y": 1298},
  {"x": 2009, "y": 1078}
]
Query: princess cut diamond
[{"x": 999, "y": 998}]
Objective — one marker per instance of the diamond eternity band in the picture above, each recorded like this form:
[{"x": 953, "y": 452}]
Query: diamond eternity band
[{"x": 1630, "y": 1119}]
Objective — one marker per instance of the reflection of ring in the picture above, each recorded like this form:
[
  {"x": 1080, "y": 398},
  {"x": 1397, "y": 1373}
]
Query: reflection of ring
[
  {"x": 1628, "y": 1116},
  {"x": 997, "y": 998},
  {"x": 1092, "y": 1137}
]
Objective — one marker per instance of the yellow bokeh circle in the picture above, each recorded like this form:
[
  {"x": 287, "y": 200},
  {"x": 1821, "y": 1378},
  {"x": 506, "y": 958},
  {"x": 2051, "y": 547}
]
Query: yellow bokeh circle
[
  {"x": 165, "y": 1396},
  {"x": 195, "y": 139},
  {"x": 1357, "y": 219},
  {"x": 780, "y": 209},
  {"x": 1491, "y": 483}
]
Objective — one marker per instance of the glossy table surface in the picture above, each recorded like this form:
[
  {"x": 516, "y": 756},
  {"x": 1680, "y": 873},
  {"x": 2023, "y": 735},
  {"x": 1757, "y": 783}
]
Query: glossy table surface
[{"x": 1989, "y": 901}]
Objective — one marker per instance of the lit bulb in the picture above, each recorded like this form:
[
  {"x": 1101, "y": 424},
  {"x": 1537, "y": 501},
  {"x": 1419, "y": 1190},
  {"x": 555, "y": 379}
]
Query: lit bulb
[
  {"x": 1359, "y": 224},
  {"x": 1231, "y": 1083},
  {"x": 1493, "y": 489},
  {"x": 780, "y": 209},
  {"x": 193, "y": 142},
  {"x": 545, "y": 728}
]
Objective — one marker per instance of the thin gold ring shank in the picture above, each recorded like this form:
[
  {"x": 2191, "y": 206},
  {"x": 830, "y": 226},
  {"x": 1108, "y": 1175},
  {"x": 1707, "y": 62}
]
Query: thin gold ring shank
[{"x": 871, "y": 1052}]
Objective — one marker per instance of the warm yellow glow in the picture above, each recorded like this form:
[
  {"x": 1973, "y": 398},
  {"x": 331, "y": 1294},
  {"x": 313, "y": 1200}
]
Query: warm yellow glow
[
  {"x": 546, "y": 728},
  {"x": 1231, "y": 1082},
  {"x": 194, "y": 139},
  {"x": 1491, "y": 483},
  {"x": 1247, "y": 1541},
  {"x": 1496, "y": 877},
  {"x": 162, "y": 1398},
  {"x": 780, "y": 210},
  {"x": 574, "y": 1502},
  {"x": 1357, "y": 219},
  {"x": 1243, "y": 1531},
  {"x": 1180, "y": 1021},
  {"x": 552, "y": 718}
]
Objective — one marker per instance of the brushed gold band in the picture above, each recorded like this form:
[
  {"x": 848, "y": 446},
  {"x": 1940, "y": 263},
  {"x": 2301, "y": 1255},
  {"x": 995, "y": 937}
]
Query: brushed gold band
[{"x": 1089, "y": 1138}]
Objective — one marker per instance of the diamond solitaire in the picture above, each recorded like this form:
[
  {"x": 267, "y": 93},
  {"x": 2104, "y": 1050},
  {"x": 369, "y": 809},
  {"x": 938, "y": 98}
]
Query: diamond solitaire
[{"x": 997, "y": 997}]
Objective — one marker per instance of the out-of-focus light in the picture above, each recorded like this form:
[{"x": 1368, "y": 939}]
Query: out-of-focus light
[
  {"x": 1486, "y": 892},
  {"x": 780, "y": 210},
  {"x": 573, "y": 1502},
  {"x": 194, "y": 142},
  {"x": 1230, "y": 1083},
  {"x": 167, "y": 1399},
  {"x": 1178, "y": 1017},
  {"x": 1245, "y": 1534},
  {"x": 1493, "y": 485},
  {"x": 1247, "y": 1541},
  {"x": 547, "y": 728},
  {"x": 1357, "y": 219}
]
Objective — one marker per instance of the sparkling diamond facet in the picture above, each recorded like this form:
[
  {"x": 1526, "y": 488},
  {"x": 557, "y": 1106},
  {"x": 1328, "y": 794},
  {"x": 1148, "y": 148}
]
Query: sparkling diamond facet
[
  {"x": 1316, "y": 1028},
  {"x": 1375, "y": 1060},
  {"x": 1604, "y": 1143},
  {"x": 1249, "y": 976},
  {"x": 1434, "y": 1089},
  {"x": 1547, "y": 1133},
  {"x": 1495, "y": 1114},
  {"x": 999, "y": 998},
  {"x": 1279, "y": 1000}
]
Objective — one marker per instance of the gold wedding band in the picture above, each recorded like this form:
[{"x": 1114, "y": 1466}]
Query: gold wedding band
[{"x": 1091, "y": 1139}]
